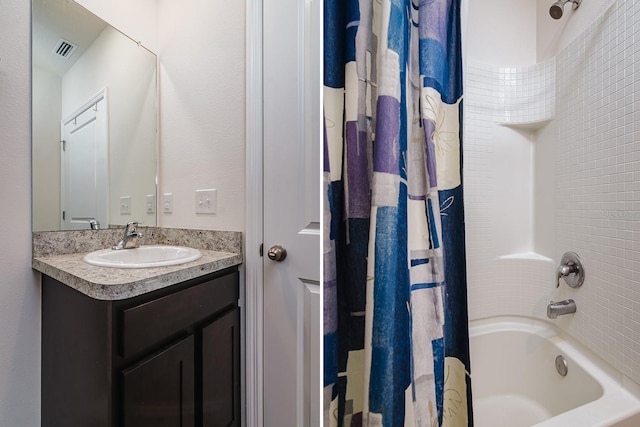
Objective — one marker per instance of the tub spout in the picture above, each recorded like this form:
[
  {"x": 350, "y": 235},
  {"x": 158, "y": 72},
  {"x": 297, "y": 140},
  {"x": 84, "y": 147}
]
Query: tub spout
[{"x": 559, "y": 308}]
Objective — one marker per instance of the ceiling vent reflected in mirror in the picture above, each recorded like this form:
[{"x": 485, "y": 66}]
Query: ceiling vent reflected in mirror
[{"x": 64, "y": 48}]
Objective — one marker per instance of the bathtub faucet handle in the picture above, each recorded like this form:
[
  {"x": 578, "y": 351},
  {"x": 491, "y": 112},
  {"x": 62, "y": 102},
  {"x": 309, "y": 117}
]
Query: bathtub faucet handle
[
  {"x": 571, "y": 270},
  {"x": 564, "y": 271}
]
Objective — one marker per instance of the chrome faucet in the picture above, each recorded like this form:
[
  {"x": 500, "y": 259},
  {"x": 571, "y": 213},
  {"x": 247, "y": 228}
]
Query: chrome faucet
[
  {"x": 131, "y": 237},
  {"x": 564, "y": 271},
  {"x": 555, "y": 309},
  {"x": 94, "y": 224},
  {"x": 571, "y": 270}
]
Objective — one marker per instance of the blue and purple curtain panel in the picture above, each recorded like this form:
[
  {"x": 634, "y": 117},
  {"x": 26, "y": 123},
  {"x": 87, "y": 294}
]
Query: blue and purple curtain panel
[{"x": 395, "y": 310}]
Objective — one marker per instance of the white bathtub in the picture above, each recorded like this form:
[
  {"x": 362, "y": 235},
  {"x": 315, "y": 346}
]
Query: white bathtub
[{"x": 515, "y": 382}]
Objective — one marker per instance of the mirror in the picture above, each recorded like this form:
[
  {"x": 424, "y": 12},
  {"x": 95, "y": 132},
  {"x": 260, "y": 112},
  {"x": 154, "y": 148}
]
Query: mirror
[{"x": 94, "y": 122}]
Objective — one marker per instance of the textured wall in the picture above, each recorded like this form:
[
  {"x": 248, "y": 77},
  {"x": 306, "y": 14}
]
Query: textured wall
[
  {"x": 46, "y": 149},
  {"x": 202, "y": 80},
  {"x": 500, "y": 32},
  {"x": 597, "y": 172},
  {"x": 554, "y": 35},
  {"x": 505, "y": 275},
  {"x": 138, "y": 19},
  {"x": 19, "y": 289},
  {"x": 504, "y": 108}
]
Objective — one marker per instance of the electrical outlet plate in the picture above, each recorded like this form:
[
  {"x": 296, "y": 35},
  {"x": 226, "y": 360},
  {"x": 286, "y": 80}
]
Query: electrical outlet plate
[
  {"x": 167, "y": 203},
  {"x": 206, "y": 201},
  {"x": 151, "y": 203},
  {"x": 125, "y": 205}
]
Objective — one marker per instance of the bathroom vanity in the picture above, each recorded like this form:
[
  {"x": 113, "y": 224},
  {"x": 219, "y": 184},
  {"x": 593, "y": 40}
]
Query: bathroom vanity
[{"x": 140, "y": 347}]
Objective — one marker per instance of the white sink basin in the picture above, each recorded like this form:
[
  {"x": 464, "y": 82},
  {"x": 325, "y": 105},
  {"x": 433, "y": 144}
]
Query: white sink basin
[{"x": 143, "y": 257}]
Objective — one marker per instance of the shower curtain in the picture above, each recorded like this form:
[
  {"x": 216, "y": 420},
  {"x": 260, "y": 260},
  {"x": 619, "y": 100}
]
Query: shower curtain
[{"x": 396, "y": 347}]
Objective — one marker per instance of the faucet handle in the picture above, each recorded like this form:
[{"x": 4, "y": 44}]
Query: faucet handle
[
  {"x": 563, "y": 271},
  {"x": 571, "y": 270},
  {"x": 131, "y": 237},
  {"x": 132, "y": 224},
  {"x": 131, "y": 228}
]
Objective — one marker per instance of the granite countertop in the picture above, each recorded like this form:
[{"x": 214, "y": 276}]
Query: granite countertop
[{"x": 106, "y": 283}]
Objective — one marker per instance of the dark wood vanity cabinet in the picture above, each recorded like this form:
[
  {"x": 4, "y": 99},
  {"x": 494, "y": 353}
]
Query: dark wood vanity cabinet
[{"x": 166, "y": 358}]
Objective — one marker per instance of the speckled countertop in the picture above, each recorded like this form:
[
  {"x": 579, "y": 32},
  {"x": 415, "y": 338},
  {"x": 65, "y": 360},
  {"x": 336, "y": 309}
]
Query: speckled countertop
[{"x": 60, "y": 256}]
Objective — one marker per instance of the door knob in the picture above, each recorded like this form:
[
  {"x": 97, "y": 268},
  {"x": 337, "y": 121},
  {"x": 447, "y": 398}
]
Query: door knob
[{"x": 277, "y": 253}]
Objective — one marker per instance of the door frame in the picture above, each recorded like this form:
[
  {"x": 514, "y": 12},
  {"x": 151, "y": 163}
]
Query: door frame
[{"x": 254, "y": 280}]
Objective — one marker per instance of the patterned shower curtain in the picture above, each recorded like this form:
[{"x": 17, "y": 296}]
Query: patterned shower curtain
[{"x": 396, "y": 346}]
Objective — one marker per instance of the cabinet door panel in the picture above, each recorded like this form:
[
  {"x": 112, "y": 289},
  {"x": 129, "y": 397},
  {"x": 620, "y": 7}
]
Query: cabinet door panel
[
  {"x": 175, "y": 312},
  {"x": 221, "y": 372},
  {"x": 159, "y": 391}
]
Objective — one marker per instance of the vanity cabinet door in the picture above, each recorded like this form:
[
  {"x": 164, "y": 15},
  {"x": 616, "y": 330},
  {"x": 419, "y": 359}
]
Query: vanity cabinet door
[
  {"x": 169, "y": 358},
  {"x": 221, "y": 371},
  {"x": 159, "y": 391}
]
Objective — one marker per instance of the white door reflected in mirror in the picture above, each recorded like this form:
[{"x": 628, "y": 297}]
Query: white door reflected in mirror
[{"x": 85, "y": 178}]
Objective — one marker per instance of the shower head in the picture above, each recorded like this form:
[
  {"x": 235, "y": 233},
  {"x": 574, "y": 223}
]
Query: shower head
[{"x": 557, "y": 8}]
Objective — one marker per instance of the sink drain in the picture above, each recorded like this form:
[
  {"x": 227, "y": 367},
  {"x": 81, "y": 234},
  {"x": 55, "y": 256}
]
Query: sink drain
[{"x": 561, "y": 365}]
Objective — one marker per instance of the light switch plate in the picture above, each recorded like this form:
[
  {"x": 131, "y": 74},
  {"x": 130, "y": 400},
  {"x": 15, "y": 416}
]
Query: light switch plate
[
  {"x": 206, "y": 201},
  {"x": 151, "y": 203},
  {"x": 167, "y": 203},
  {"x": 125, "y": 205}
]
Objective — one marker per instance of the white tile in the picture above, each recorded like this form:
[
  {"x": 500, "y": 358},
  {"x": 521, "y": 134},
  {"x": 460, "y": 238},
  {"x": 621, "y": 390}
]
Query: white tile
[{"x": 596, "y": 108}]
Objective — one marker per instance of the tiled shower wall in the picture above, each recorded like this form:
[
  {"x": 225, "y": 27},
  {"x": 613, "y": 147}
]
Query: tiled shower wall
[
  {"x": 504, "y": 278},
  {"x": 594, "y": 143},
  {"x": 597, "y": 146},
  {"x": 512, "y": 95}
]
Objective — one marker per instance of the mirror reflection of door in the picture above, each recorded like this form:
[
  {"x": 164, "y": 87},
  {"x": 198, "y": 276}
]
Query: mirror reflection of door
[
  {"x": 85, "y": 178},
  {"x": 75, "y": 54}
]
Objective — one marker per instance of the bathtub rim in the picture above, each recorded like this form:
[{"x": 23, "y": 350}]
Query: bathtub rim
[{"x": 621, "y": 395}]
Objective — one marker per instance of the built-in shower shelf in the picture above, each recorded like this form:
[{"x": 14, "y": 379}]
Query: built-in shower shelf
[
  {"x": 526, "y": 256},
  {"x": 533, "y": 126},
  {"x": 521, "y": 97}
]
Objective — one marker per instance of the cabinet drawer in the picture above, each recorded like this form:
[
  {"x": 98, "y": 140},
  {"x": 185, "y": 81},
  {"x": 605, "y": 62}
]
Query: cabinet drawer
[{"x": 147, "y": 324}]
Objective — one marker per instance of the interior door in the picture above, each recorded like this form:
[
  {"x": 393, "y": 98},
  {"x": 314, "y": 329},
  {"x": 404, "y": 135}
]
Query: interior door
[
  {"x": 291, "y": 312},
  {"x": 85, "y": 191}
]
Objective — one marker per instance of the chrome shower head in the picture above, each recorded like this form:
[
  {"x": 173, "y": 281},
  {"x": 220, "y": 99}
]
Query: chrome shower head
[{"x": 557, "y": 8}]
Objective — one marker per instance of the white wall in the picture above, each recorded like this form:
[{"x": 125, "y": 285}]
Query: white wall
[
  {"x": 19, "y": 289},
  {"x": 46, "y": 111},
  {"x": 552, "y": 37},
  {"x": 586, "y": 185},
  {"x": 500, "y": 32},
  {"x": 202, "y": 80},
  {"x": 597, "y": 169},
  {"x": 132, "y": 116},
  {"x": 504, "y": 274},
  {"x": 201, "y": 46},
  {"x": 555, "y": 35},
  {"x": 137, "y": 19},
  {"x": 544, "y": 196}
]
